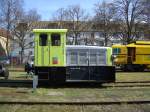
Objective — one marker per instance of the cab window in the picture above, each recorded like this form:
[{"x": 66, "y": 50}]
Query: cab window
[
  {"x": 116, "y": 50},
  {"x": 43, "y": 39},
  {"x": 55, "y": 38}
]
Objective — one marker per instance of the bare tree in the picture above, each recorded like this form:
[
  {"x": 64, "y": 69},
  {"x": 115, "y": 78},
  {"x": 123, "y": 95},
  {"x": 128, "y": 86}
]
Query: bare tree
[
  {"x": 129, "y": 11},
  {"x": 146, "y": 11},
  {"x": 73, "y": 18},
  {"x": 8, "y": 10},
  {"x": 32, "y": 16},
  {"x": 23, "y": 29},
  {"x": 60, "y": 17},
  {"x": 79, "y": 19},
  {"x": 146, "y": 18},
  {"x": 104, "y": 15}
]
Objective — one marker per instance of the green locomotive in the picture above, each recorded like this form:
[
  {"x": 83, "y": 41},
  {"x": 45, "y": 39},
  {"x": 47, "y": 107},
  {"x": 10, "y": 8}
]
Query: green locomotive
[{"x": 57, "y": 62}]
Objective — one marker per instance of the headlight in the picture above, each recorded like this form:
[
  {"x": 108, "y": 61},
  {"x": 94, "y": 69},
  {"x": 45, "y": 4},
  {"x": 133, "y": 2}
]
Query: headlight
[{"x": 114, "y": 56}]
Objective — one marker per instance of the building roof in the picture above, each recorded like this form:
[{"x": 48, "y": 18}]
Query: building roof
[
  {"x": 49, "y": 30},
  {"x": 3, "y": 33}
]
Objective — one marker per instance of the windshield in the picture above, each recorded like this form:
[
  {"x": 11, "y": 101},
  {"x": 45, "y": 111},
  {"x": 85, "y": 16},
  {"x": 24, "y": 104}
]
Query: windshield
[{"x": 116, "y": 50}]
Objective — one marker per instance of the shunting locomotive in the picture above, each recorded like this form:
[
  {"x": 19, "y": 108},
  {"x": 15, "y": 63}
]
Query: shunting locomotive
[{"x": 55, "y": 61}]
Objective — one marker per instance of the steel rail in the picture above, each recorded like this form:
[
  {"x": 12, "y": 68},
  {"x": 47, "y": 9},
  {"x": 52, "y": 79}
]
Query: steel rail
[
  {"x": 132, "y": 82},
  {"x": 116, "y": 84},
  {"x": 15, "y": 81},
  {"x": 126, "y": 86},
  {"x": 74, "y": 103},
  {"x": 30, "y": 81}
]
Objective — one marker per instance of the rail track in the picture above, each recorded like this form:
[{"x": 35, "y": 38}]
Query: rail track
[
  {"x": 16, "y": 83},
  {"x": 75, "y": 103},
  {"x": 119, "y": 70},
  {"x": 30, "y": 81},
  {"x": 72, "y": 102},
  {"x": 124, "y": 86},
  {"x": 132, "y": 82},
  {"x": 128, "y": 84}
]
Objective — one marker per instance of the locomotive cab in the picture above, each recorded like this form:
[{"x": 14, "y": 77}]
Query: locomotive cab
[
  {"x": 119, "y": 54},
  {"x": 50, "y": 54},
  {"x": 49, "y": 47}
]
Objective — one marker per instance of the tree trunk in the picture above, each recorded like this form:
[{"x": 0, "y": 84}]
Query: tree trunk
[
  {"x": 76, "y": 38},
  {"x": 7, "y": 45},
  {"x": 21, "y": 55},
  {"x": 105, "y": 39}
]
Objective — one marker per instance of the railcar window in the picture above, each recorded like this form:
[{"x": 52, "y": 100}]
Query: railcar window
[
  {"x": 116, "y": 50},
  {"x": 55, "y": 38},
  {"x": 82, "y": 58},
  {"x": 74, "y": 58},
  {"x": 93, "y": 58},
  {"x": 43, "y": 40},
  {"x": 101, "y": 59},
  {"x": 119, "y": 50}
]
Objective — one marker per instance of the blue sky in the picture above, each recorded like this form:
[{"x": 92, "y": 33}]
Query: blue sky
[{"x": 46, "y": 8}]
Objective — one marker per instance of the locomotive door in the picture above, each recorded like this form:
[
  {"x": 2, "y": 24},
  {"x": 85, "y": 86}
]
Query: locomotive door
[
  {"x": 57, "y": 50},
  {"x": 131, "y": 54},
  {"x": 44, "y": 50}
]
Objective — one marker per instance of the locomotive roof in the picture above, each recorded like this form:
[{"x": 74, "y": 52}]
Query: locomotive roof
[
  {"x": 49, "y": 30},
  {"x": 142, "y": 42},
  {"x": 132, "y": 45},
  {"x": 138, "y": 45},
  {"x": 86, "y": 47},
  {"x": 135, "y": 44}
]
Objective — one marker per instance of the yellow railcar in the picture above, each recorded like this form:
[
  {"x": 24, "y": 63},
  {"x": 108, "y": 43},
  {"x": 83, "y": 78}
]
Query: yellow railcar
[{"x": 132, "y": 57}]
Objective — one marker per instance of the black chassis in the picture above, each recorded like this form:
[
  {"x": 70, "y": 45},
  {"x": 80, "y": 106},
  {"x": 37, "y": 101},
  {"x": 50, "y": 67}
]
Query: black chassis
[{"x": 76, "y": 73}]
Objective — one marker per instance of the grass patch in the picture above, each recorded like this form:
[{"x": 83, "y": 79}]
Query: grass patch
[
  {"x": 52, "y": 108},
  {"x": 139, "y": 76},
  {"x": 19, "y": 76},
  {"x": 77, "y": 94},
  {"x": 74, "y": 94}
]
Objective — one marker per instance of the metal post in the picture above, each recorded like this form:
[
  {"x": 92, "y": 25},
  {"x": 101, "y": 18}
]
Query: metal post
[{"x": 35, "y": 82}]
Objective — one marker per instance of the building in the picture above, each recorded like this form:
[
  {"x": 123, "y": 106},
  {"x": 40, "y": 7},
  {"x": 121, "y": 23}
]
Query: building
[
  {"x": 87, "y": 33},
  {"x": 3, "y": 40}
]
